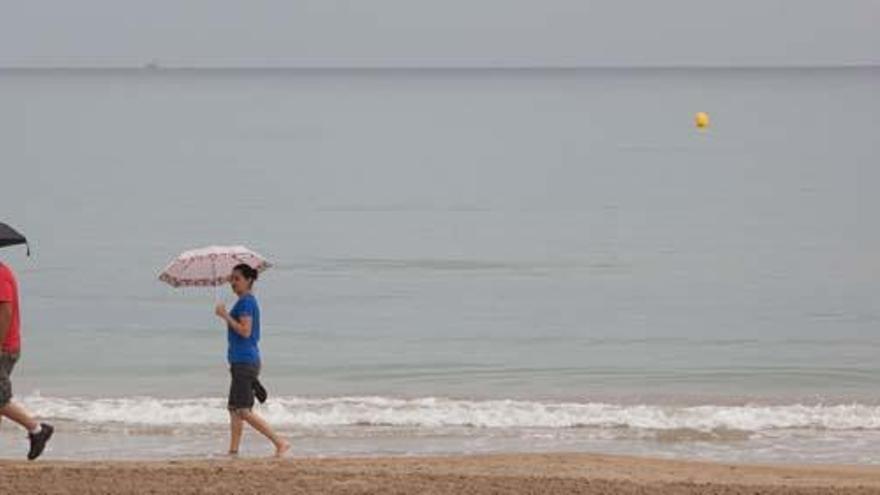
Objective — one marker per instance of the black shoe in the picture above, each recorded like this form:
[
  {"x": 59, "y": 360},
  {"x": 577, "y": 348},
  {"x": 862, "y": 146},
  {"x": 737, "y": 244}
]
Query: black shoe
[
  {"x": 260, "y": 391},
  {"x": 38, "y": 440}
]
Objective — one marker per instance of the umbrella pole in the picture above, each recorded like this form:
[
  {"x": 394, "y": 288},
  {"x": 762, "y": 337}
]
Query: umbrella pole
[{"x": 216, "y": 284}]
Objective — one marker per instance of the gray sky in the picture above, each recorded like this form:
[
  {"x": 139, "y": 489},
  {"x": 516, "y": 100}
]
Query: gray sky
[{"x": 439, "y": 32}]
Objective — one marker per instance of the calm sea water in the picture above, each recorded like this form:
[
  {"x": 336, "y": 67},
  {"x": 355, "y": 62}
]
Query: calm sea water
[{"x": 466, "y": 261}]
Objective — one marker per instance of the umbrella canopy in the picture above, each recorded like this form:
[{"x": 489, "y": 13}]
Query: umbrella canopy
[
  {"x": 209, "y": 266},
  {"x": 10, "y": 237}
]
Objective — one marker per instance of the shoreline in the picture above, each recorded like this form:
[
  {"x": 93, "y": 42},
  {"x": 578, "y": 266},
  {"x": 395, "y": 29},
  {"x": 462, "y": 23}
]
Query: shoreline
[{"x": 473, "y": 474}]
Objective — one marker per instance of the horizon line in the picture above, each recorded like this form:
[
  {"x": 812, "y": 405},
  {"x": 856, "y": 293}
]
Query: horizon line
[{"x": 157, "y": 67}]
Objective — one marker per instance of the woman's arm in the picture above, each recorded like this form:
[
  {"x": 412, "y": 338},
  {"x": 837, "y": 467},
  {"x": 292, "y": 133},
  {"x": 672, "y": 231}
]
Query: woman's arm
[{"x": 241, "y": 327}]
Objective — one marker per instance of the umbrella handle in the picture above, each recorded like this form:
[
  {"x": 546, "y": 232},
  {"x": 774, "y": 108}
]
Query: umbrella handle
[{"x": 214, "y": 282}]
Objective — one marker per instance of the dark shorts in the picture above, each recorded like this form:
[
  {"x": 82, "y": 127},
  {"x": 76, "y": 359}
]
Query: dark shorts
[
  {"x": 241, "y": 390},
  {"x": 7, "y": 362}
]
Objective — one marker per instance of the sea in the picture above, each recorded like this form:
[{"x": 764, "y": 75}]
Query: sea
[{"x": 466, "y": 261}]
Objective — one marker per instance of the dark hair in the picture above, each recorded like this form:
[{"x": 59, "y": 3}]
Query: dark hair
[{"x": 247, "y": 272}]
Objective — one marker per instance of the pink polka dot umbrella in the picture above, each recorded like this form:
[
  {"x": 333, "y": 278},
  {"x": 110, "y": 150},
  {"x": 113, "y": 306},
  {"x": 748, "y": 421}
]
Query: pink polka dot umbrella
[{"x": 210, "y": 266}]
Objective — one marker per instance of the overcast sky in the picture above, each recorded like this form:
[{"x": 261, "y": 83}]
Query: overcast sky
[{"x": 439, "y": 32}]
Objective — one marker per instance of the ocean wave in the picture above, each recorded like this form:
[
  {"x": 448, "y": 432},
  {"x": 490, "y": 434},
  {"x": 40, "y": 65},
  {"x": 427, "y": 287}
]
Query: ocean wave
[{"x": 441, "y": 412}]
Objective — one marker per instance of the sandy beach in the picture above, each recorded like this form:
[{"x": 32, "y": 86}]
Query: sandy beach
[{"x": 545, "y": 474}]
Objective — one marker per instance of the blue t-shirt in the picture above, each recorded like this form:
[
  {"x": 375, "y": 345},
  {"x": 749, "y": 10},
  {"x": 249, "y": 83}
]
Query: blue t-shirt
[{"x": 245, "y": 350}]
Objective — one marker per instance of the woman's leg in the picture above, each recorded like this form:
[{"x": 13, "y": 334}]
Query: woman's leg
[
  {"x": 236, "y": 426},
  {"x": 259, "y": 424}
]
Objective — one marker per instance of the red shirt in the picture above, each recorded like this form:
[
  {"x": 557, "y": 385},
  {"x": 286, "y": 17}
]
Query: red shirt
[{"x": 9, "y": 294}]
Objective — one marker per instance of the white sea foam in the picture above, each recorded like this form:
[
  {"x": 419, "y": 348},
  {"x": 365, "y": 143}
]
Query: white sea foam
[{"x": 440, "y": 412}]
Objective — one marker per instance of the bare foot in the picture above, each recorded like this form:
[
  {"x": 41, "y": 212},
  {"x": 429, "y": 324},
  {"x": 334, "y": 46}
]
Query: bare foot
[
  {"x": 282, "y": 448},
  {"x": 232, "y": 453}
]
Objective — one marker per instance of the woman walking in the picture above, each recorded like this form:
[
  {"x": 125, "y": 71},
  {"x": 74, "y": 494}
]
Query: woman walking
[{"x": 243, "y": 329}]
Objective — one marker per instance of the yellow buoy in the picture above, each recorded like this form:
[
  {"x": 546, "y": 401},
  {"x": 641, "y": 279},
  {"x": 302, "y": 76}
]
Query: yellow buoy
[{"x": 701, "y": 120}]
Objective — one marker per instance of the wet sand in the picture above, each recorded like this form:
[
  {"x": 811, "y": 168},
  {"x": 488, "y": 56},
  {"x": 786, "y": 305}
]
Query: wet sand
[{"x": 534, "y": 474}]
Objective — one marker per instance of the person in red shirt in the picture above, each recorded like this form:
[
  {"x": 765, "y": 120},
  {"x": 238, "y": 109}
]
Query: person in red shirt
[{"x": 10, "y": 349}]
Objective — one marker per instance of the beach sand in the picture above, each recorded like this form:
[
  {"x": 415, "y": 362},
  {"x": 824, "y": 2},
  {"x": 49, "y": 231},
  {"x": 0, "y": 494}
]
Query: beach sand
[{"x": 541, "y": 473}]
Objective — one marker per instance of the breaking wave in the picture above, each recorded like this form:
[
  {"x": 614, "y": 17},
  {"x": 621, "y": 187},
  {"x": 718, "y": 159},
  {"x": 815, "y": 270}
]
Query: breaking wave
[{"x": 441, "y": 412}]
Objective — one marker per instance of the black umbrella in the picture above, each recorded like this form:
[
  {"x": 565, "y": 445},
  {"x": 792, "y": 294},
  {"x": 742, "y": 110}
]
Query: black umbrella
[{"x": 10, "y": 237}]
